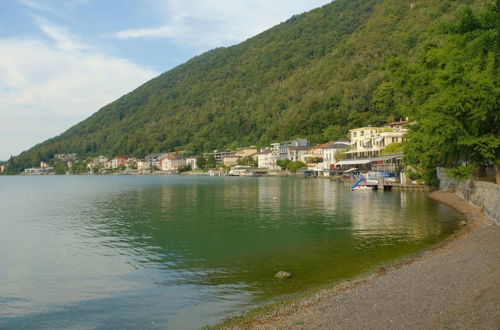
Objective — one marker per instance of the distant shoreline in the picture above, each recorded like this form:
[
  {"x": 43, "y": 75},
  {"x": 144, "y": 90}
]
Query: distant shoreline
[{"x": 454, "y": 284}]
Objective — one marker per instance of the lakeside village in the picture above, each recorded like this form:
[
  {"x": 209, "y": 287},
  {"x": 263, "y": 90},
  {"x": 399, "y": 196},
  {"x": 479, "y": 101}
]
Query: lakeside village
[{"x": 371, "y": 158}]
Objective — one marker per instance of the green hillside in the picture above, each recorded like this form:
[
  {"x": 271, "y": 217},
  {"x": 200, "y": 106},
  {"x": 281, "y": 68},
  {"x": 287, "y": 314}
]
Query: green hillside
[{"x": 316, "y": 76}]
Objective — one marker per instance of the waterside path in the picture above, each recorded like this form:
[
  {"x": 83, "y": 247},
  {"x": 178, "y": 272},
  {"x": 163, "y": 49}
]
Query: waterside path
[{"x": 454, "y": 286}]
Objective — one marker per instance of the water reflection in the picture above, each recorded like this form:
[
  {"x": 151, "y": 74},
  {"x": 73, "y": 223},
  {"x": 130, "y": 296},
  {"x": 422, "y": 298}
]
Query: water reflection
[
  {"x": 383, "y": 214},
  {"x": 179, "y": 251}
]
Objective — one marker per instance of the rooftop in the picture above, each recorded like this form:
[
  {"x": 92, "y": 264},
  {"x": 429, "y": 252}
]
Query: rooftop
[
  {"x": 263, "y": 153},
  {"x": 397, "y": 123},
  {"x": 299, "y": 148}
]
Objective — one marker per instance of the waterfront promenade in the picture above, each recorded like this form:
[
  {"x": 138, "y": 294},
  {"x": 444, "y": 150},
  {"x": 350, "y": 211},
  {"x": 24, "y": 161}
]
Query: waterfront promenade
[{"x": 454, "y": 286}]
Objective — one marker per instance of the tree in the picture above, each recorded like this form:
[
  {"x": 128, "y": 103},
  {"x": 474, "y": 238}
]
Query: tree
[
  {"x": 184, "y": 168},
  {"x": 60, "y": 168},
  {"x": 78, "y": 168},
  {"x": 454, "y": 90},
  {"x": 248, "y": 160},
  {"x": 283, "y": 163},
  {"x": 201, "y": 162},
  {"x": 211, "y": 162},
  {"x": 392, "y": 148},
  {"x": 314, "y": 160},
  {"x": 341, "y": 154},
  {"x": 334, "y": 132},
  {"x": 294, "y": 166}
]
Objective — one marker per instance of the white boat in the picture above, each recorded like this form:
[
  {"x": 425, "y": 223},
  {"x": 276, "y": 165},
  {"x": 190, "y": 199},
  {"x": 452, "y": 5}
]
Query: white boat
[{"x": 240, "y": 170}]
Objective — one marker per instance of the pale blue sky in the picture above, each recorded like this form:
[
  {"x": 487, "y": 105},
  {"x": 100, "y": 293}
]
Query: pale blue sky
[{"x": 62, "y": 60}]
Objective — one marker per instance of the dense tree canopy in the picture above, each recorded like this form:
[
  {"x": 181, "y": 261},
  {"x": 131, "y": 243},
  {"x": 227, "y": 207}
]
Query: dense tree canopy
[{"x": 454, "y": 95}]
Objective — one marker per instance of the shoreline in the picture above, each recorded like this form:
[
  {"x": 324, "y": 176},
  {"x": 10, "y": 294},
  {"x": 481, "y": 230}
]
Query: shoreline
[{"x": 454, "y": 284}]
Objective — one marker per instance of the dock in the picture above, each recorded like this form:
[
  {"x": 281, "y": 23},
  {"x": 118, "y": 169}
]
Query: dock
[{"x": 386, "y": 185}]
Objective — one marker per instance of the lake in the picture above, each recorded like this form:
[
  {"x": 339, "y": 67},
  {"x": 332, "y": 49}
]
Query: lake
[{"x": 181, "y": 252}]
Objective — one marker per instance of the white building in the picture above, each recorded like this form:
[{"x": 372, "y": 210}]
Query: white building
[
  {"x": 230, "y": 160},
  {"x": 192, "y": 161},
  {"x": 282, "y": 149},
  {"x": 66, "y": 157},
  {"x": 170, "y": 163},
  {"x": 143, "y": 165},
  {"x": 39, "y": 171},
  {"x": 219, "y": 156},
  {"x": 267, "y": 159},
  {"x": 295, "y": 154},
  {"x": 329, "y": 153},
  {"x": 156, "y": 157},
  {"x": 370, "y": 141}
]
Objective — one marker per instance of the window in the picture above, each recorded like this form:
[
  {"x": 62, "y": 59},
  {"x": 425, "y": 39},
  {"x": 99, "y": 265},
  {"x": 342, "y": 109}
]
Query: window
[{"x": 362, "y": 133}]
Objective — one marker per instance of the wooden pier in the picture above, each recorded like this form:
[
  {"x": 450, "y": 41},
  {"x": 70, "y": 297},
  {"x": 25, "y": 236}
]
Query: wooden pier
[
  {"x": 384, "y": 185},
  {"x": 398, "y": 186}
]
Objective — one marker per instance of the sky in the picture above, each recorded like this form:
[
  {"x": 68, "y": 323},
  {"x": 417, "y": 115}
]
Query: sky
[{"x": 62, "y": 60}]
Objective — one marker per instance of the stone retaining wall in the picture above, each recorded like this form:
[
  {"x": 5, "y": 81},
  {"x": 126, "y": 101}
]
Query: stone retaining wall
[{"x": 479, "y": 193}]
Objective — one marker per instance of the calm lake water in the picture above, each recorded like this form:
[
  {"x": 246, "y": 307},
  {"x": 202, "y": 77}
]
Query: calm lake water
[{"x": 139, "y": 252}]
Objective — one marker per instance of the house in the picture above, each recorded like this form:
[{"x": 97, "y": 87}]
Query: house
[
  {"x": 314, "y": 157},
  {"x": 2, "y": 168},
  {"x": 44, "y": 164},
  {"x": 170, "y": 163},
  {"x": 131, "y": 163},
  {"x": 330, "y": 151},
  {"x": 314, "y": 153},
  {"x": 247, "y": 151},
  {"x": 282, "y": 150},
  {"x": 370, "y": 141},
  {"x": 388, "y": 164},
  {"x": 156, "y": 157},
  {"x": 397, "y": 124},
  {"x": 267, "y": 159},
  {"x": 321, "y": 158},
  {"x": 118, "y": 161},
  {"x": 192, "y": 161},
  {"x": 66, "y": 157},
  {"x": 296, "y": 152},
  {"x": 100, "y": 162},
  {"x": 230, "y": 160},
  {"x": 39, "y": 171},
  {"x": 143, "y": 165},
  {"x": 219, "y": 156}
]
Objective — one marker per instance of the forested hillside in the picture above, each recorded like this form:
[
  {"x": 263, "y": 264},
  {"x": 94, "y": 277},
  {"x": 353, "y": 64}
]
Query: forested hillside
[{"x": 315, "y": 76}]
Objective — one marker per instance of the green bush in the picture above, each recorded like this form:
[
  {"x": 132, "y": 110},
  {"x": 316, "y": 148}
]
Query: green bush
[
  {"x": 185, "y": 168},
  {"x": 283, "y": 163},
  {"x": 294, "y": 166}
]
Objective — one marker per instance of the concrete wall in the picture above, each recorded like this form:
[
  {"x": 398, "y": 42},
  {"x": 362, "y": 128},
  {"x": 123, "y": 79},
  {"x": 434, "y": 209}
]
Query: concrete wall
[
  {"x": 479, "y": 193},
  {"x": 445, "y": 183}
]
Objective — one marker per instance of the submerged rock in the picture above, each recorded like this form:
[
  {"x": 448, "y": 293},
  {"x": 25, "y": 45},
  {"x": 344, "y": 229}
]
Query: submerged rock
[{"x": 282, "y": 275}]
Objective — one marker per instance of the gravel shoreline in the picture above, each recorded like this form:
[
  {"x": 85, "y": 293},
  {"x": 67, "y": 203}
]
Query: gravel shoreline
[{"x": 454, "y": 286}]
